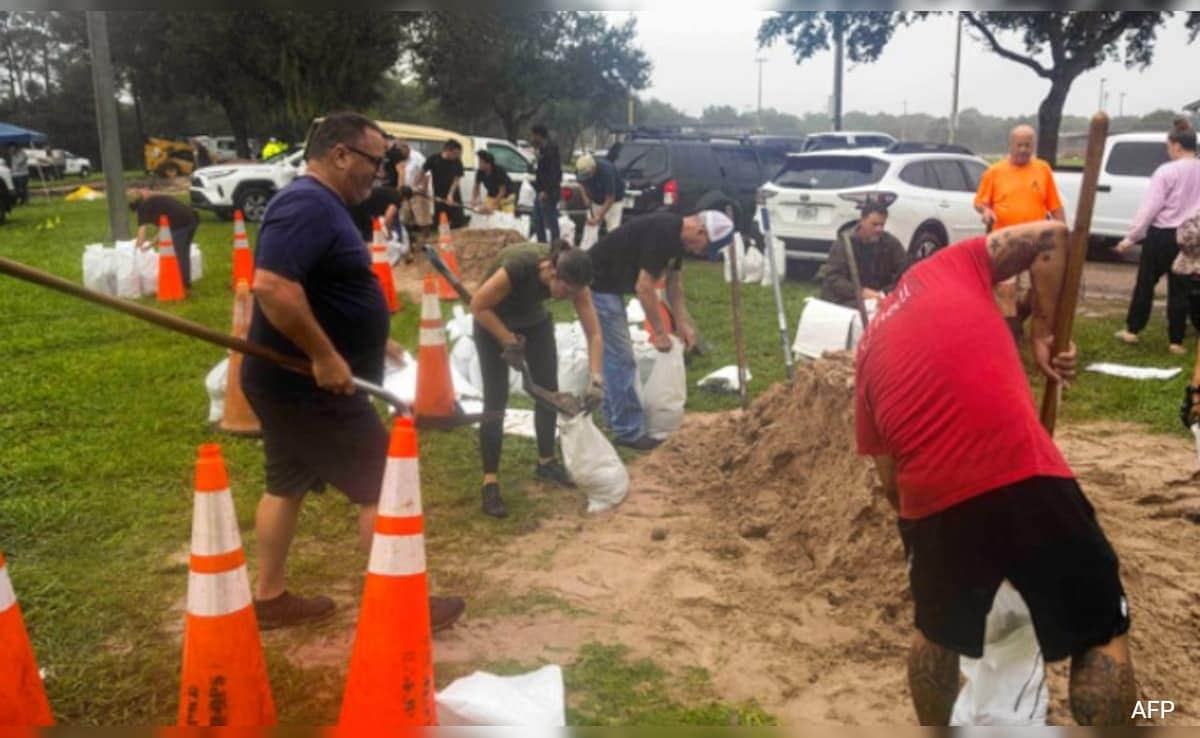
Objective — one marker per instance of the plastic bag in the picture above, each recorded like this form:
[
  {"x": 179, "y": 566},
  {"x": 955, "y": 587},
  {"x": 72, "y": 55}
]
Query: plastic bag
[
  {"x": 591, "y": 234},
  {"x": 98, "y": 271},
  {"x": 1008, "y": 685},
  {"x": 592, "y": 462},
  {"x": 752, "y": 266},
  {"x": 128, "y": 280},
  {"x": 525, "y": 195},
  {"x": 533, "y": 699},
  {"x": 665, "y": 393},
  {"x": 196, "y": 259},
  {"x": 147, "y": 264},
  {"x": 214, "y": 382},
  {"x": 566, "y": 229},
  {"x": 777, "y": 252},
  {"x": 574, "y": 368},
  {"x": 826, "y": 326},
  {"x": 738, "y": 248},
  {"x": 724, "y": 379}
]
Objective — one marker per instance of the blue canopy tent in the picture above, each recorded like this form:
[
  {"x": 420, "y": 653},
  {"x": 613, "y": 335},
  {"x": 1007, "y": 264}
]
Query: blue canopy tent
[{"x": 22, "y": 136}]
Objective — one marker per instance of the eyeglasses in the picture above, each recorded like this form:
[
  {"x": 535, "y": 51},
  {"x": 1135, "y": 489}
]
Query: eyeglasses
[{"x": 376, "y": 160}]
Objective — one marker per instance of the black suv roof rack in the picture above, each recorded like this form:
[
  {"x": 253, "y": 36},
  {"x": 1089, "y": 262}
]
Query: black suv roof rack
[{"x": 926, "y": 147}]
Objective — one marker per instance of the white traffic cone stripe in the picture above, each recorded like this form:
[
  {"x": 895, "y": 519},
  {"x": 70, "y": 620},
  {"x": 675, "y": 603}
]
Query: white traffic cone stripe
[
  {"x": 214, "y": 524},
  {"x": 401, "y": 496},
  {"x": 8, "y": 597},
  {"x": 432, "y": 337},
  {"x": 397, "y": 556},
  {"x": 211, "y": 595},
  {"x": 430, "y": 309},
  {"x": 166, "y": 250}
]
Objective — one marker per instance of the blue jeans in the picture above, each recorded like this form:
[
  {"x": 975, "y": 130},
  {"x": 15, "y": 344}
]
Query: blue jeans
[
  {"x": 620, "y": 407},
  {"x": 545, "y": 216}
]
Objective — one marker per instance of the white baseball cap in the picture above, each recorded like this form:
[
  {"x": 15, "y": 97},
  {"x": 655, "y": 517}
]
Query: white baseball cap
[
  {"x": 584, "y": 165},
  {"x": 717, "y": 225}
]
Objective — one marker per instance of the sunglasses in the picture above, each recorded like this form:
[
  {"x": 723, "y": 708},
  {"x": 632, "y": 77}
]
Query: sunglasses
[{"x": 377, "y": 161}]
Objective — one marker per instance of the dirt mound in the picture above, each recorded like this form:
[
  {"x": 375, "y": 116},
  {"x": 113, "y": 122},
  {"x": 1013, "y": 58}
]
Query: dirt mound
[{"x": 475, "y": 248}]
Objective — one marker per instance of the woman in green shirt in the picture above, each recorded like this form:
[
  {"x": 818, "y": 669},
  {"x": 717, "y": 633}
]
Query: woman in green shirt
[{"x": 513, "y": 327}]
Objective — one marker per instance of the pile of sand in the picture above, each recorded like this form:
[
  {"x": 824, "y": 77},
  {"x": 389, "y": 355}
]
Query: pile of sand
[{"x": 475, "y": 249}]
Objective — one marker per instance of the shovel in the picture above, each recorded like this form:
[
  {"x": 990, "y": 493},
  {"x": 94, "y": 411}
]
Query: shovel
[
  {"x": 241, "y": 345},
  {"x": 562, "y": 402}
]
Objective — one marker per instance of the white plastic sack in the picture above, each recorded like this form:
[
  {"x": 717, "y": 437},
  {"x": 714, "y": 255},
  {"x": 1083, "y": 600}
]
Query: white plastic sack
[
  {"x": 574, "y": 369},
  {"x": 98, "y": 271},
  {"x": 644, "y": 355},
  {"x": 129, "y": 283},
  {"x": 214, "y": 382},
  {"x": 525, "y": 195},
  {"x": 724, "y": 379},
  {"x": 634, "y": 312},
  {"x": 825, "y": 326},
  {"x": 401, "y": 381},
  {"x": 665, "y": 393},
  {"x": 533, "y": 699},
  {"x": 778, "y": 253},
  {"x": 591, "y": 234},
  {"x": 196, "y": 258},
  {"x": 592, "y": 462},
  {"x": 460, "y": 325},
  {"x": 566, "y": 229},
  {"x": 735, "y": 246},
  {"x": 147, "y": 264},
  {"x": 1008, "y": 685},
  {"x": 753, "y": 265},
  {"x": 1132, "y": 372},
  {"x": 467, "y": 375}
]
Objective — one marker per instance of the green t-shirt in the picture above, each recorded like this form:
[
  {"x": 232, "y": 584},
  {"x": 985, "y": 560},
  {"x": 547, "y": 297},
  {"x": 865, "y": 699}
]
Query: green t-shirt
[{"x": 522, "y": 306}]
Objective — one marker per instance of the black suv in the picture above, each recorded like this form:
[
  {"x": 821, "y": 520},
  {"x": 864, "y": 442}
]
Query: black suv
[{"x": 676, "y": 173}]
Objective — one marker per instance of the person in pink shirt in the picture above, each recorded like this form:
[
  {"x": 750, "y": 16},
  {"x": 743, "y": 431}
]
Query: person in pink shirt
[{"x": 1174, "y": 194}]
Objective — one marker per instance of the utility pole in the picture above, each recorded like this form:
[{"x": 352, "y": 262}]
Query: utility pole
[
  {"x": 837, "y": 68},
  {"x": 106, "y": 121},
  {"x": 1102, "y": 81},
  {"x": 1121, "y": 106},
  {"x": 630, "y": 111},
  {"x": 957, "y": 68},
  {"x": 759, "y": 60},
  {"x": 904, "y": 123}
]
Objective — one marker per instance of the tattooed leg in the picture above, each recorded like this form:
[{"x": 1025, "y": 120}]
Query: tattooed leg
[
  {"x": 932, "y": 680},
  {"x": 1103, "y": 691}
]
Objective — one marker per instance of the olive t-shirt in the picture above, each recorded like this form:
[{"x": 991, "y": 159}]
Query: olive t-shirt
[{"x": 523, "y": 305}]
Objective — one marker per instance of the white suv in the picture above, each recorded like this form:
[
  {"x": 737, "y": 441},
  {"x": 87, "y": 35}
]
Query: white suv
[
  {"x": 928, "y": 188},
  {"x": 247, "y": 187}
]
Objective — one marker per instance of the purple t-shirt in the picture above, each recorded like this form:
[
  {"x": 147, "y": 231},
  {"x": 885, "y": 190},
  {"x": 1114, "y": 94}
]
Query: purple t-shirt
[{"x": 308, "y": 236}]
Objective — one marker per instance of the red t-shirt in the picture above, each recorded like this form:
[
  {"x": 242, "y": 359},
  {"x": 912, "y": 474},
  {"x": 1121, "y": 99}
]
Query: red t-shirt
[{"x": 941, "y": 389}]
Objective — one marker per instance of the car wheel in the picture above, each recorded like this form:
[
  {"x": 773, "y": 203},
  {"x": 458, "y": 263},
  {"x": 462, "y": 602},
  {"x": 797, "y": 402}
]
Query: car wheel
[
  {"x": 252, "y": 201},
  {"x": 925, "y": 243},
  {"x": 84, "y": 172}
]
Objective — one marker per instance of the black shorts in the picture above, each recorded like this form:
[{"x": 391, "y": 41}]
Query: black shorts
[
  {"x": 1041, "y": 534},
  {"x": 311, "y": 440}
]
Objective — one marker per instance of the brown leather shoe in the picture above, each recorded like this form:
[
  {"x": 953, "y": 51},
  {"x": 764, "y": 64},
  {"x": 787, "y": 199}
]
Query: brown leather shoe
[
  {"x": 445, "y": 611},
  {"x": 288, "y": 609}
]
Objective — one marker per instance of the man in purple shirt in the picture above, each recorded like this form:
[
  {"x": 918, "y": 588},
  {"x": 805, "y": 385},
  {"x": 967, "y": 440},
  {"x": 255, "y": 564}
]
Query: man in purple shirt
[{"x": 1173, "y": 195}]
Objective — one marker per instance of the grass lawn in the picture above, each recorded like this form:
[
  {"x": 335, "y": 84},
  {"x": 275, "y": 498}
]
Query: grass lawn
[{"x": 100, "y": 416}]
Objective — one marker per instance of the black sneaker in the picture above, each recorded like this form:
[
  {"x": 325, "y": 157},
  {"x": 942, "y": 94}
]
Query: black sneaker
[
  {"x": 552, "y": 471},
  {"x": 645, "y": 443},
  {"x": 287, "y": 609},
  {"x": 492, "y": 504},
  {"x": 445, "y": 611}
]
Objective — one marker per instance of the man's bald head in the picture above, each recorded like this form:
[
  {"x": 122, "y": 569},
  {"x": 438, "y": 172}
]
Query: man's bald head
[{"x": 1021, "y": 143}]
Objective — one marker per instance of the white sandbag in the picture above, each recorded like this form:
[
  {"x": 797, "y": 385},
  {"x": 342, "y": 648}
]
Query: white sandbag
[
  {"x": 1008, "y": 685},
  {"x": 214, "y": 382},
  {"x": 124, "y": 261},
  {"x": 1132, "y": 372},
  {"x": 776, "y": 251},
  {"x": 196, "y": 258},
  {"x": 147, "y": 264},
  {"x": 460, "y": 325},
  {"x": 566, "y": 229},
  {"x": 574, "y": 368},
  {"x": 591, "y": 234},
  {"x": 825, "y": 326},
  {"x": 734, "y": 247},
  {"x": 644, "y": 355},
  {"x": 480, "y": 221},
  {"x": 397, "y": 248},
  {"x": 592, "y": 462},
  {"x": 752, "y": 266},
  {"x": 467, "y": 374},
  {"x": 519, "y": 422},
  {"x": 401, "y": 380},
  {"x": 634, "y": 312},
  {"x": 98, "y": 271},
  {"x": 529, "y": 700},
  {"x": 724, "y": 379},
  {"x": 525, "y": 195},
  {"x": 665, "y": 393}
]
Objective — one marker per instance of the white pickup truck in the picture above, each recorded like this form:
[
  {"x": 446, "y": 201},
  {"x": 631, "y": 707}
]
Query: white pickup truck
[{"x": 1129, "y": 160}]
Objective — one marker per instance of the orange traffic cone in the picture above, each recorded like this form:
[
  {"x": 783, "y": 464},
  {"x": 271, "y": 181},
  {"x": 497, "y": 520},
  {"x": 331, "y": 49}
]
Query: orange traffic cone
[
  {"x": 22, "y": 697},
  {"x": 381, "y": 267},
  {"x": 224, "y": 672},
  {"x": 449, "y": 258},
  {"x": 238, "y": 417},
  {"x": 663, "y": 310},
  {"x": 435, "y": 390},
  {"x": 170, "y": 282},
  {"x": 243, "y": 260},
  {"x": 390, "y": 682}
]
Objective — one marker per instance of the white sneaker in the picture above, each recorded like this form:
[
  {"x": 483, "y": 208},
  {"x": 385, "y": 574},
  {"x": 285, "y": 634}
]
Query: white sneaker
[
  {"x": 1125, "y": 336},
  {"x": 1177, "y": 349}
]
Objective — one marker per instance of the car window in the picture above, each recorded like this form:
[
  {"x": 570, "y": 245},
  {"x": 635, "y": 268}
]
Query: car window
[
  {"x": 695, "y": 163},
  {"x": 872, "y": 141},
  {"x": 1136, "y": 158},
  {"x": 772, "y": 161},
  {"x": 641, "y": 159},
  {"x": 975, "y": 172},
  {"x": 950, "y": 176},
  {"x": 512, "y": 162},
  {"x": 830, "y": 172},
  {"x": 917, "y": 174},
  {"x": 740, "y": 165},
  {"x": 824, "y": 143}
]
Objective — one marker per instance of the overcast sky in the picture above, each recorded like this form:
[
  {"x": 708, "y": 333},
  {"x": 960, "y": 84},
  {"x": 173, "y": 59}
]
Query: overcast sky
[{"x": 705, "y": 56}]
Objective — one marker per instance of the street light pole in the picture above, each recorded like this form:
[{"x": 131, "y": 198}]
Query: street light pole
[
  {"x": 106, "y": 121},
  {"x": 957, "y": 67},
  {"x": 838, "y": 34},
  {"x": 759, "y": 60},
  {"x": 1121, "y": 106},
  {"x": 1102, "y": 81}
]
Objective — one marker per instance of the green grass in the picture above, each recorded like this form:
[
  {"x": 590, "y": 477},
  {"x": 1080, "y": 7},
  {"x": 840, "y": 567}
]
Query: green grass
[{"x": 100, "y": 416}]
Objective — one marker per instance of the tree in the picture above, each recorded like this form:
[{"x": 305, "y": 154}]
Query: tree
[
  {"x": 1074, "y": 41},
  {"x": 515, "y": 65}
]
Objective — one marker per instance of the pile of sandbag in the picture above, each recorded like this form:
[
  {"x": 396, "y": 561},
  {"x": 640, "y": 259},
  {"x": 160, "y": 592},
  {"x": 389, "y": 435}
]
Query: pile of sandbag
[
  {"x": 124, "y": 271},
  {"x": 752, "y": 264}
]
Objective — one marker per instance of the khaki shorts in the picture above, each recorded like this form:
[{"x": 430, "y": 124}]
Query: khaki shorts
[{"x": 417, "y": 211}]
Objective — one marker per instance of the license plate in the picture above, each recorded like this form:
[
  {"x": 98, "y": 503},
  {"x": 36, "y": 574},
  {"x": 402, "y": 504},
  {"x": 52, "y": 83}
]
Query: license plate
[{"x": 807, "y": 212}]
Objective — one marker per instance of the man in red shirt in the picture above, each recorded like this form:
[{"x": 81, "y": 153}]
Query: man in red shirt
[{"x": 944, "y": 407}]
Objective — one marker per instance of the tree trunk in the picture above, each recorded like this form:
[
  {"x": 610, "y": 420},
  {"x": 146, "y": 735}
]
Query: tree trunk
[
  {"x": 236, "y": 113},
  {"x": 1050, "y": 119}
]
